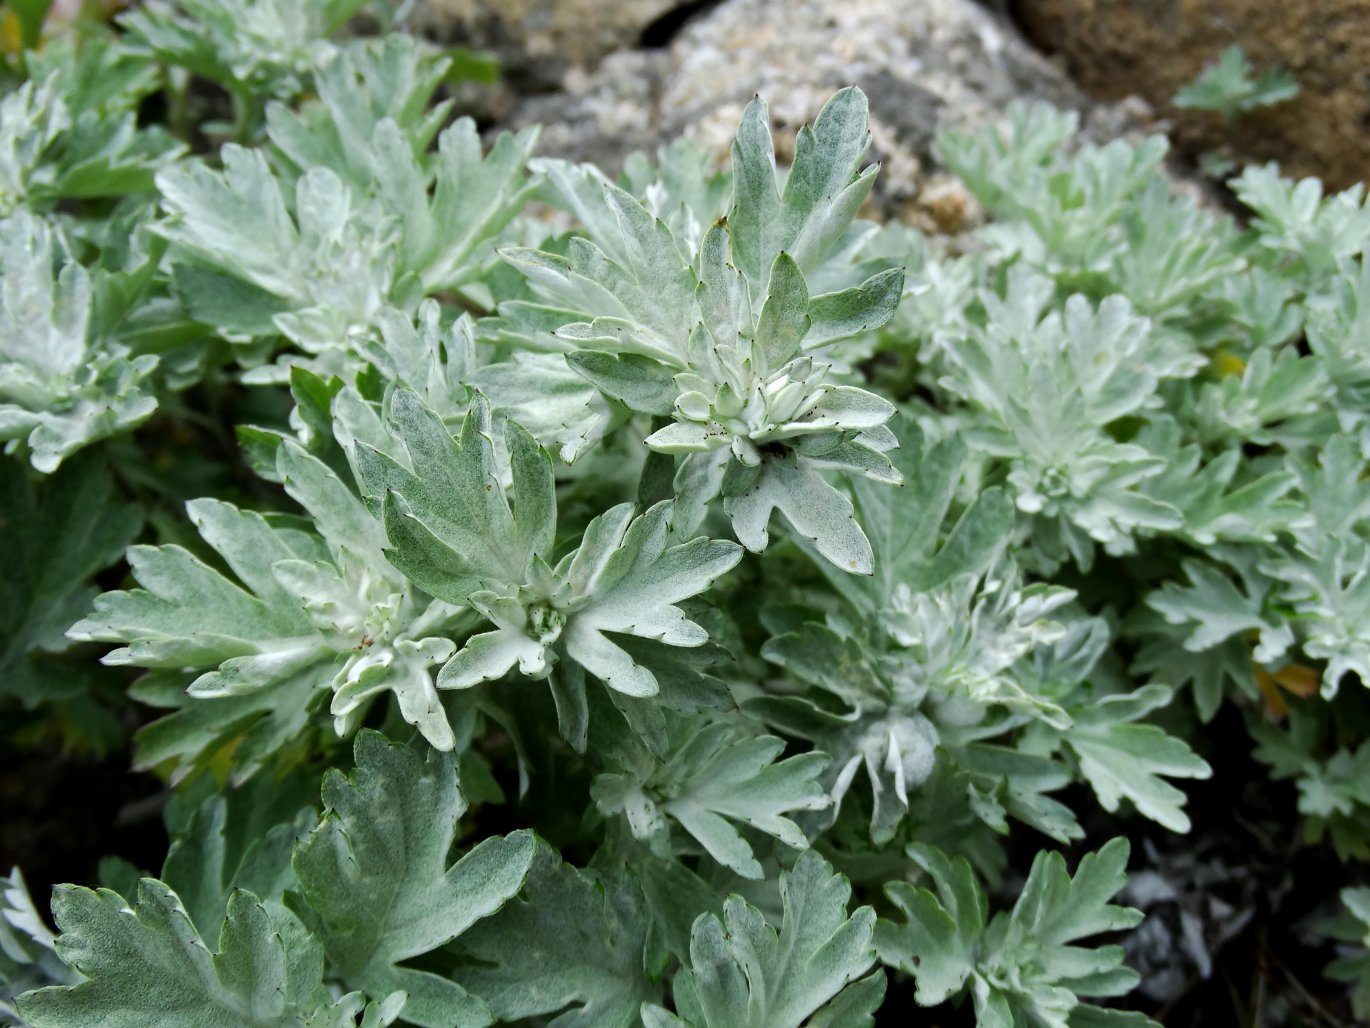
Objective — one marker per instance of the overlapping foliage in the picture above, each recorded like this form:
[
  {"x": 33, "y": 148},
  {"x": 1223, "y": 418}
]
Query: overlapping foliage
[{"x": 663, "y": 596}]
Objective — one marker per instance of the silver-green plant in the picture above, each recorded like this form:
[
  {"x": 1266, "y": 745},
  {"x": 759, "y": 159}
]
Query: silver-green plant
[{"x": 479, "y": 679}]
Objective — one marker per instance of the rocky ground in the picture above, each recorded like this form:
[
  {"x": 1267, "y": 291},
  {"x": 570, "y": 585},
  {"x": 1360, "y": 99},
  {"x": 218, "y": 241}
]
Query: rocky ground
[
  {"x": 607, "y": 79},
  {"x": 644, "y": 72}
]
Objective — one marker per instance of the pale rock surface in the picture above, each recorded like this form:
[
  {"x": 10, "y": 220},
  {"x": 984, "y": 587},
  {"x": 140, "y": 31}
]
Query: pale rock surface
[{"x": 925, "y": 64}]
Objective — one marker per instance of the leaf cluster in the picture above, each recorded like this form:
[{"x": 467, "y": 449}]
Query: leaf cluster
[{"x": 558, "y": 599}]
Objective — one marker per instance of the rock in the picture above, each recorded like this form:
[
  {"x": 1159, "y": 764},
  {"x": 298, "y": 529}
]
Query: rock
[
  {"x": 925, "y": 64},
  {"x": 1153, "y": 47},
  {"x": 601, "y": 117},
  {"x": 539, "y": 42}
]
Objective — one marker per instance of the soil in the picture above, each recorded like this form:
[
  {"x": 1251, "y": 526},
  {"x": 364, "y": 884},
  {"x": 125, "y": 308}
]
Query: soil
[{"x": 64, "y": 814}]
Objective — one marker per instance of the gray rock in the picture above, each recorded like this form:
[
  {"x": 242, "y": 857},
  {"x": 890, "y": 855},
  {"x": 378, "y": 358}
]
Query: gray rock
[
  {"x": 925, "y": 64},
  {"x": 540, "y": 42}
]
